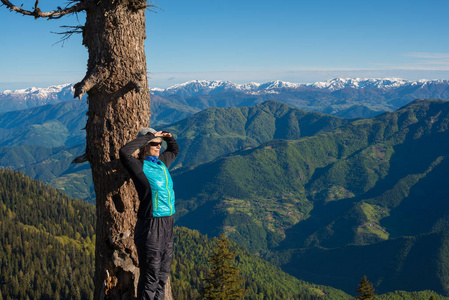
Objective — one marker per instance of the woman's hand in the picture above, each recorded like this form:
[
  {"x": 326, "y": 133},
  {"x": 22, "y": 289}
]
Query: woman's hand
[{"x": 163, "y": 134}]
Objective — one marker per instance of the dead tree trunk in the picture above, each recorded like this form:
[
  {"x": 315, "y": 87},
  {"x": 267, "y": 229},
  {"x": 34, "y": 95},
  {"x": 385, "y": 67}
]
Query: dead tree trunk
[{"x": 119, "y": 106}]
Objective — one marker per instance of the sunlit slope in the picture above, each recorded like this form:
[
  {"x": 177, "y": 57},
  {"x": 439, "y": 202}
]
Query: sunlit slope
[
  {"x": 218, "y": 131},
  {"x": 366, "y": 182},
  {"x": 47, "y": 250}
]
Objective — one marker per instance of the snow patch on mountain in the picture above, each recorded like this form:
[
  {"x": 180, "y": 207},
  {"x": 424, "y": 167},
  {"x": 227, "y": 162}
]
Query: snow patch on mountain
[
  {"x": 204, "y": 87},
  {"x": 32, "y": 97},
  {"x": 41, "y": 93},
  {"x": 357, "y": 83}
]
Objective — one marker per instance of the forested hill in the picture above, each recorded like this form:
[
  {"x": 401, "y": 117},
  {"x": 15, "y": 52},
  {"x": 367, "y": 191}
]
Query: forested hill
[
  {"x": 217, "y": 131},
  {"x": 366, "y": 183},
  {"x": 38, "y": 141},
  {"x": 47, "y": 251},
  {"x": 46, "y": 241}
]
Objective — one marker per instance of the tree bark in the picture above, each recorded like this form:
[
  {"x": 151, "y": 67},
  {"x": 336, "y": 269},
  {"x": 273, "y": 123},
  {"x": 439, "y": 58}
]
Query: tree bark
[{"x": 119, "y": 106}]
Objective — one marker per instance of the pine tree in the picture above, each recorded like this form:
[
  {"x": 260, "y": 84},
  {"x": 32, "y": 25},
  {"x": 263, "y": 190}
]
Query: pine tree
[
  {"x": 365, "y": 289},
  {"x": 223, "y": 281}
]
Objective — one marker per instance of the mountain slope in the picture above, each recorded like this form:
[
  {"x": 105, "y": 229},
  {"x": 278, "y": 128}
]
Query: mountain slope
[
  {"x": 52, "y": 165},
  {"x": 203, "y": 137},
  {"x": 405, "y": 263},
  {"x": 49, "y": 125},
  {"x": 32, "y": 97},
  {"x": 166, "y": 111},
  {"x": 217, "y": 131},
  {"x": 46, "y": 241},
  {"x": 205, "y": 87},
  {"x": 53, "y": 236},
  {"x": 359, "y": 184}
]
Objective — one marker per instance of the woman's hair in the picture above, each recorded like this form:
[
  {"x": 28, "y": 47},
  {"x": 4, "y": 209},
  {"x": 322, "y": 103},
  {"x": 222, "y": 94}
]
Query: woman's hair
[{"x": 143, "y": 151}]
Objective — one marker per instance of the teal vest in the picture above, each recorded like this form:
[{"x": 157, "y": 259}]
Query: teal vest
[{"x": 161, "y": 187}]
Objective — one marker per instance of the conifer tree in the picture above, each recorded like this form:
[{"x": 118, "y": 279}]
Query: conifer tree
[
  {"x": 223, "y": 281},
  {"x": 365, "y": 289}
]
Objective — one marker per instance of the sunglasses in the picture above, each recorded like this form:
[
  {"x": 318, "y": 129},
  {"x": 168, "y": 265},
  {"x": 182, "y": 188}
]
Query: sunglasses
[{"x": 154, "y": 144}]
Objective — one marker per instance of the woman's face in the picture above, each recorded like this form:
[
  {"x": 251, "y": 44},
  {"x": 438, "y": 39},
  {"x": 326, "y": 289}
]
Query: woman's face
[{"x": 153, "y": 148}]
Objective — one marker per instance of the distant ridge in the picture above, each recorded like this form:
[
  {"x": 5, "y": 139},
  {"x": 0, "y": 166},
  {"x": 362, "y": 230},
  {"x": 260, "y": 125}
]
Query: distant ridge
[
  {"x": 30, "y": 97},
  {"x": 205, "y": 87}
]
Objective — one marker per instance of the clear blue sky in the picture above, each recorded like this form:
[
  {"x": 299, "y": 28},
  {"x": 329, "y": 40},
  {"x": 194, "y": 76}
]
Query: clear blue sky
[{"x": 247, "y": 40}]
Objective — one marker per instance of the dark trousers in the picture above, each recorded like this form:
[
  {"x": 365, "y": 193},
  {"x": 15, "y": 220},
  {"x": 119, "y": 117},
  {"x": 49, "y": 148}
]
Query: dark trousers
[{"x": 154, "y": 242}]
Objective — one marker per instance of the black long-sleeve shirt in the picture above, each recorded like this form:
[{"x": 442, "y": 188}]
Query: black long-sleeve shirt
[{"x": 135, "y": 168}]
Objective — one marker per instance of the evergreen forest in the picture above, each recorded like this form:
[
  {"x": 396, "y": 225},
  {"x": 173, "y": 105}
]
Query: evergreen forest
[{"x": 47, "y": 252}]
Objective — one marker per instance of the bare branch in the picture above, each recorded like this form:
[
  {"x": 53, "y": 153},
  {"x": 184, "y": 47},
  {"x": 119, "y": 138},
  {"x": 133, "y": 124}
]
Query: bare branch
[
  {"x": 80, "y": 159},
  {"x": 55, "y": 14},
  {"x": 90, "y": 80},
  {"x": 150, "y": 7},
  {"x": 136, "y": 5},
  {"x": 67, "y": 34}
]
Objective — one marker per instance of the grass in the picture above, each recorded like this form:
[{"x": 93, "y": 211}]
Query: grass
[{"x": 274, "y": 214}]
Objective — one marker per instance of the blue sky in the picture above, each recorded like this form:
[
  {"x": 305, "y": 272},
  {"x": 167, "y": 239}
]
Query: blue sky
[{"x": 247, "y": 40}]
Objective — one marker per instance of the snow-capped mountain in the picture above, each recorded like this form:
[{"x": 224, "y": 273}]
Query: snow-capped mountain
[
  {"x": 31, "y": 97},
  {"x": 53, "y": 92},
  {"x": 391, "y": 93},
  {"x": 341, "y": 83},
  {"x": 204, "y": 87},
  {"x": 385, "y": 83}
]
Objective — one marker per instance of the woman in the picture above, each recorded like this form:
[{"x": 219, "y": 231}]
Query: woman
[{"x": 153, "y": 234}]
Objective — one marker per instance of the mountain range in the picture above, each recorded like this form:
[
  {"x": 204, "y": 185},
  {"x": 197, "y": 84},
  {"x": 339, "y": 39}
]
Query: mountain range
[
  {"x": 43, "y": 141},
  {"x": 205, "y": 87},
  {"x": 343, "y": 97},
  {"x": 325, "y": 198}
]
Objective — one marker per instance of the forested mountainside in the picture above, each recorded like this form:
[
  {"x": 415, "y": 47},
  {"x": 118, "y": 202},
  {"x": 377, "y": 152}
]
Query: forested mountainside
[
  {"x": 52, "y": 165},
  {"x": 370, "y": 181},
  {"x": 47, "y": 241},
  {"x": 47, "y": 245},
  {"x": 202, "y": 137},
  {"x": 50, "y": 126},
  {"x": 217, "y": 131}
]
